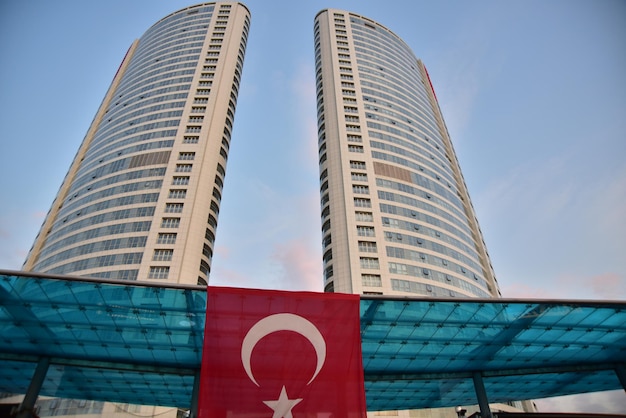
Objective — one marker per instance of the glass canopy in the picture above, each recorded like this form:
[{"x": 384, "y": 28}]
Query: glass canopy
[
  {"x": 135, "y": 342},
  {"x": 423, "y": 353}
]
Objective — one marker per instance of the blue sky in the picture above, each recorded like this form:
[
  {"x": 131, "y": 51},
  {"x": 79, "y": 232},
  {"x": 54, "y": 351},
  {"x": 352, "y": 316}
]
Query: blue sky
[{"x": 533, "y": 93}]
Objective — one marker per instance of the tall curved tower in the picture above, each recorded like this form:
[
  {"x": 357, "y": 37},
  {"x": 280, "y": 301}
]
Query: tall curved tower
[
  {"x": 142, "y": 196},
  {"x": 396, "y": 215}
]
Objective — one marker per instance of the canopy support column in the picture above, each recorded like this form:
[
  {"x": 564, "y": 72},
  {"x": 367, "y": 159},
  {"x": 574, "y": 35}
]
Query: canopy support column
[
  {"x": 25, "y": 409},
  {"x": 481, "y": 395},
  {"x": 194, "y": 395},
  {"x": 620, "y": 371}
]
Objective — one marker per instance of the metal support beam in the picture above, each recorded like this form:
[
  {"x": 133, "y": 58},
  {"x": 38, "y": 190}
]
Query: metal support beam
[
  {"x": 194, "y": 395},
  {"x": 25, "y": 409},
  {"x": 481, "y": 395},
  {"x": 571, "y": 368},
  {"x": 620, "y": 371}
]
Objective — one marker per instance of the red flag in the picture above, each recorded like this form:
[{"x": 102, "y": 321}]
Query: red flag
[{"x": 281, "y": 355}]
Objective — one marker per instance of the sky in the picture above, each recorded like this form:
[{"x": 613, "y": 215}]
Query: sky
[{"x": 533, "y": 94}]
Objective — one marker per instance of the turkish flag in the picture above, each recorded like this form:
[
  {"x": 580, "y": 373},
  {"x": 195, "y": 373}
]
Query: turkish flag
[{"x": 281, "y": 354}]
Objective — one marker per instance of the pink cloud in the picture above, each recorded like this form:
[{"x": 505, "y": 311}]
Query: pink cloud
[
  {"x": 522, "y": 291},
  {"x": 223, "y": 251},
  {"x": 569, "y": 286},
  {"x": 300, "y": 269},
  {"x": 608, "y": 286},
  {"x": 231, "y": 278}
]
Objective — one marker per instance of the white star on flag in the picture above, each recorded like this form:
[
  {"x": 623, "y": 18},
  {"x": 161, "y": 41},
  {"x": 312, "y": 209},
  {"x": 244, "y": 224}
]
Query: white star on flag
[{"x": 283, "y": 405}]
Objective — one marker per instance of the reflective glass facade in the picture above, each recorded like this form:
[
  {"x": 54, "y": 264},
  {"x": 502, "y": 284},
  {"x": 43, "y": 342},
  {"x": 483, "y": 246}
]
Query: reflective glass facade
[
  {"x": 142, "y": 197},
  {"x": 396, "y": 215}
]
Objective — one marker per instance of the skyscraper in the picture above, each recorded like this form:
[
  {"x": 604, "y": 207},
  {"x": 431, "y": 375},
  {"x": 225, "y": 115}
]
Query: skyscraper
[
  {"x": 142, "y": 196},
  {"x": 397, "y": 217},
  {"x": 396, "y": 214}
]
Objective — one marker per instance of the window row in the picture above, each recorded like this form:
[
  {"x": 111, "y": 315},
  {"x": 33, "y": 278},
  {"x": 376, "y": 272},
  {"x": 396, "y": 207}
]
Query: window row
[
  {"x": 450, "y": 253},
  {"x": 60, "y": 230},
  {"x": 96, "y": 262},
  {"x": 93, "y": 247}
]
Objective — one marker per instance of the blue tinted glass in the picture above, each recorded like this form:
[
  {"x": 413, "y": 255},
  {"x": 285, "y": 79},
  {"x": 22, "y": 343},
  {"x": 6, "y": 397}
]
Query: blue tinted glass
[
  {"x": 421, "y": 353},
  {"x": 130, "y": 343},
  {"x": 142, "y": 344}
]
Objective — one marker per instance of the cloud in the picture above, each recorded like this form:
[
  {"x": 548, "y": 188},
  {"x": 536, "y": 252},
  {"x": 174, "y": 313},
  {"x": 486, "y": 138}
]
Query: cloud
[
  {"x": 232, "y": 278},
  {"x": 535, "y": 190},
  {"x": 296, "y": 259},
  {"x": 39, "y": 216},
  {"x": 608, "y": 286},
  {"x": 522, "y": 290},
  {"x": 554, "y": 230},
  {"x": 608, "y": 206},
  {"x": 302, "y": 87},
  {"x": 602, "y": 286},
  {"x": 17, "y": 232},
  {"x": 223, "y": 251},
  {"x": 297, "y": 267}
]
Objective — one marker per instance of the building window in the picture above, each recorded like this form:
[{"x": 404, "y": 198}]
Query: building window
[
  {"x": 159, "y": 272},
  {"x": 358, "y": 165},
  {"x": 173, "y": 207},
  {"x": 162, "y": 255},
  {"x": 358, "y": 189},
  {"x": 396, "y": 268},
  {"x": 170, "y": 222},
  {"x": 328, "y": 272},
  {"x": 359, "y": 176},
  {"x": 365, "y": 231},
  {"x": 355, "y": 148},
  {"x": 326, "y": 226},
  {"x": 191, "y": 140},
  {"x": 360, "y": 202},
  {"x": 371, "y": 280},
  {"x": 367, "y": 247},
  {"x": 186, "y": 155},
  {"x": 177, "y": 194},
  {"x": 166, "y": 238},
  {"x": 180, "y": 180},
  {"x": 369, "y": 263},
  {"x": 364, "y": 216},
  {"x": 183, "y": 168}
]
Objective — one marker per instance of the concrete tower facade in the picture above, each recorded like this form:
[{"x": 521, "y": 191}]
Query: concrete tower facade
[
  {"x": 142, "y": 196},
  {"x": 396, "y": 215}
]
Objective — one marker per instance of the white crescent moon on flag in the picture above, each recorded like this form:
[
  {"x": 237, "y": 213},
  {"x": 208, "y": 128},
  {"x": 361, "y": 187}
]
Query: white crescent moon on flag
[{"x": 282, "y": 322}]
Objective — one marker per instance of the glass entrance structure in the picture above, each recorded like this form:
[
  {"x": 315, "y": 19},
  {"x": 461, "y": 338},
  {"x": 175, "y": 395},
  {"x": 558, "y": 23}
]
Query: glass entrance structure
[{"x": 141, "y": 342}]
